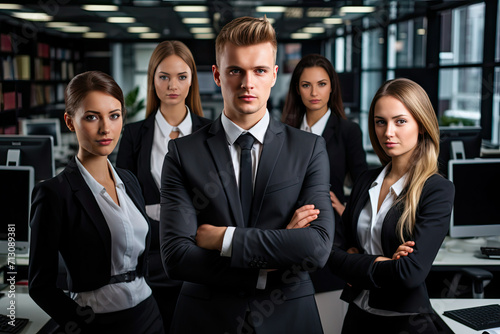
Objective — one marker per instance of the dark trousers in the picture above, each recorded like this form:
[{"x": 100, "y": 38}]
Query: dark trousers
[
  {"x": 166, "y": 298},
  {"x": 358, "y": 321},
  {"x": 143, "y": 318}
]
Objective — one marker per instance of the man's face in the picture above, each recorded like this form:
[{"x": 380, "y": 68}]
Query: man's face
[{"x": 246, "y": 75}]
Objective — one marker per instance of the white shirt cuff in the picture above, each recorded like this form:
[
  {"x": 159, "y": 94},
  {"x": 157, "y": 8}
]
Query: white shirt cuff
[
  {"x": 262, "y": 279},
  {"x": 227, "y": 242}
]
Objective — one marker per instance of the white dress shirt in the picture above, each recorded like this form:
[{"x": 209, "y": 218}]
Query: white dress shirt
[
  {"x": 160, "y": 149},
  {"x": 128, "y": 229},
  {"x": 317, "y": 128},
  {"x": 233, "y": 131},
  {"x": 369, "y": 230}
]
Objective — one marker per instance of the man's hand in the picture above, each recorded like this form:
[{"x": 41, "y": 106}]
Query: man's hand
[
  {"x": 210, "y": 236},
  {"x": 303, "y": 217}
]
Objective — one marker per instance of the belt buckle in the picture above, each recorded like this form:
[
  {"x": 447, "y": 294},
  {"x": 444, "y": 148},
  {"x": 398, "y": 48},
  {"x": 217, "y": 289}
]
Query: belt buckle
[{"x": 126, "y": 277}]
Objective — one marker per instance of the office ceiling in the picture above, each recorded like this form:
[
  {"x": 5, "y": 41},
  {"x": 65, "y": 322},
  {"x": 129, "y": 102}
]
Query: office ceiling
[{"x": 162, "y": 19}]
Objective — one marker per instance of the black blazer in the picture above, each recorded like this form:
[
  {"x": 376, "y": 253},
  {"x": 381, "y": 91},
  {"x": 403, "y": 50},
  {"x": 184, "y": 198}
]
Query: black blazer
[
  {"x": 395, "y": 285},
  {"x": 66, "y": 220},
  {"x": 344, "y": 143},
  {"x": 134, "y": 152},
  {"x": 199, "y": 186}
]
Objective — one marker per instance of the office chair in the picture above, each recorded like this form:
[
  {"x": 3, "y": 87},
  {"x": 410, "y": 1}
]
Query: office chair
[{"x": 480, "y": 278}]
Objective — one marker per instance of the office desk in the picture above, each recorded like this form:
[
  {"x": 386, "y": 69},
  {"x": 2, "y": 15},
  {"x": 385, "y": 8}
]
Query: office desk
[
  {"x": 25, "y": 308},
  {"x": 448, "y": 259},
  {"x": 442, "y": 304}
]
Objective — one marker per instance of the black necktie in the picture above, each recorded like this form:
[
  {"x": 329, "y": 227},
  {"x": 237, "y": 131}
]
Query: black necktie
[{"x": 246, "y": 185}]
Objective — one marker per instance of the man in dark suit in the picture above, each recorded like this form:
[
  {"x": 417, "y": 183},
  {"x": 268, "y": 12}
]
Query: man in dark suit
[{"x": 244, "y": 271}]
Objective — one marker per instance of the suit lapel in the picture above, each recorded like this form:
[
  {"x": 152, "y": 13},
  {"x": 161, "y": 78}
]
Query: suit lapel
[
  {"x": 83, "y": 193},
  {"x": 330, "y": 128},
  {"x": 273, "y": 141},
  {"x": 144, "y": 155},
  {"x": 217, "y": 144},
  {"x": 360, "y": 204}
]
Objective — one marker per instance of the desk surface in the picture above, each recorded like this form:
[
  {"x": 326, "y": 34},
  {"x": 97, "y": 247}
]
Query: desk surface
[
  {"x": 25, "y": 308},
  {"x": 443, "y": 304},
  {"x": 448, "y": 255}
]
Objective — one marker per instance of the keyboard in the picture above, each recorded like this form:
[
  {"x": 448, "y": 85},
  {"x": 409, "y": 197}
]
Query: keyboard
[
  {"x": 6, "y": 328},
  {"x": 477, "y": 318}
]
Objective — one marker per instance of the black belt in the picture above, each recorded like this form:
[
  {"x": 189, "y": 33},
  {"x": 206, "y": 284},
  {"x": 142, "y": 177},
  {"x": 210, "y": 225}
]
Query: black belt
[{"x": 126, "y": 277}]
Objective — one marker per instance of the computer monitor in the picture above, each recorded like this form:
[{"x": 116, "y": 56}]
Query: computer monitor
[
  {"x": 43, "y": 126},
  {"x": 477, "y": 196},
  {"x": 206, "y": 83},
  {"x": 461, "y": 142},
  {"x": 15, "y": 203},
  {"x": 35, "y": 151}
]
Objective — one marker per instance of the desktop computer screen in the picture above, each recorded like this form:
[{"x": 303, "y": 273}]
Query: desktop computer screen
[
  {"x": 468, "y": 136},
  {"x": 15, "y": 203},
  {"x": 35, "y": 151},
  {"x": 43, "y": 126},
  {"x": 477, "y": 196}
]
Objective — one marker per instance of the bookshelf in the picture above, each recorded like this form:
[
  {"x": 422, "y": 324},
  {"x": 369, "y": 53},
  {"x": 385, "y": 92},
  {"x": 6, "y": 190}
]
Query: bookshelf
[{"x": 35, "y": 68}]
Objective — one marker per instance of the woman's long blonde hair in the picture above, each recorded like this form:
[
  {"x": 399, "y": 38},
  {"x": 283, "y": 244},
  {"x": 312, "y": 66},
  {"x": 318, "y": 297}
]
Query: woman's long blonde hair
[{"x": 423, "y": 162}]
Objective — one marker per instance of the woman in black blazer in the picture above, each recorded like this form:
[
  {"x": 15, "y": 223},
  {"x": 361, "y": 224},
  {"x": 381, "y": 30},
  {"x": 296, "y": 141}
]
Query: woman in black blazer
[
  {"x": 314, "y": 104},
  {"x": 173, "y": 110},
  {"x": 396, "y": 218},
  {"x": 93, "y": 216}
]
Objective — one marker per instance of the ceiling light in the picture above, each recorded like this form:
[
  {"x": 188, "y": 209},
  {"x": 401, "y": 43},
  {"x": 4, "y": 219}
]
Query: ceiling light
[
  {"x": 94, "y": 35},
  {"x": 201, "y": 30},
  {"x": 11, "y": 6},
  {"x": 332, "y": 20},
  {"x": 204, "y": 36},
  {"x": 356, "y": 9},
  {"x": 100, "y": 8},
  {"x": 138, "y": 30},
  {"x": 421, "y": 31},
  {"x": 30, "y": 16},
  {"x": 271, "y": 20},
  {"x": 150, "y": 35},
  {"x": 270, "y": 9},
  {"x": 300, "y": 35},
  {"x": 121, "y": 19},
  {"x": 196, "y": 20},
  {"x": 314, "y": 30},
  {"x": 294, "y": 12},
  {"x": 319, "y": 12},
  {"x": 76, "y": 29},
  {"x": 191, "y": 8},
  {"x": 58, "y": 24}
]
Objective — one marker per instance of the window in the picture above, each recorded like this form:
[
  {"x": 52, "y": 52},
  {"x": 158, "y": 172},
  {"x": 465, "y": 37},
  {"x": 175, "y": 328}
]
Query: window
[
  {"x": 462, "y": 31},
  {"x": 460, "y": 96}
]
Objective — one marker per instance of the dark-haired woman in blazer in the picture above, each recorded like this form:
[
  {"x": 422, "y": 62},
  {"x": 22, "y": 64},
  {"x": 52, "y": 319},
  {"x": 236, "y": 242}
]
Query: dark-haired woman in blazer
[
  {"x": 396, "y": 218},
  {"x": 93, "y": 216},
  {"x": 173, "y": 109},
  {"x": 314, "y": 104}
]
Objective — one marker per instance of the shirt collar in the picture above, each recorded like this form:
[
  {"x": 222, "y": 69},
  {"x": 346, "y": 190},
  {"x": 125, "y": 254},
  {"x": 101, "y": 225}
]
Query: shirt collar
[
  {"x": 184, "y": 127},
  {"x": 396, "y": 188},
  {"x": 95, "y": 186},
  {"x": 233, "y": 131},
  {"x": 317, "y": 127}
]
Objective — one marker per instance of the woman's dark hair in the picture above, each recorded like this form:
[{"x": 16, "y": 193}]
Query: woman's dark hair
[
  {"x": 82, "y": 84},
  {"x": 294, "y": 109}
]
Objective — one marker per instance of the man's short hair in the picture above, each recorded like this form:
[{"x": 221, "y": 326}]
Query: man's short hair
[{"x": 244, "y": 31}]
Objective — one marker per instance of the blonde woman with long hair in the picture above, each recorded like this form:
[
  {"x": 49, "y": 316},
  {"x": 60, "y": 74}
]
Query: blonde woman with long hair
[{"x": 396, "y": 218}]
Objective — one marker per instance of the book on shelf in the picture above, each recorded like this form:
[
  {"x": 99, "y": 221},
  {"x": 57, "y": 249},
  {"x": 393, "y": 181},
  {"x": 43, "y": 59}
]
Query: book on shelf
[
  {"x": 22, "y": 67},
  {"x": 5, "y": 43},
  {"x": 7, "y": 68},
  {"x": 9, "y": 100}
]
